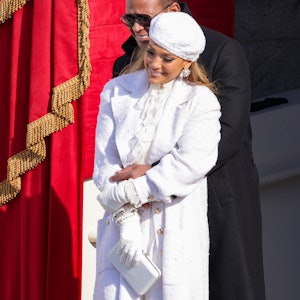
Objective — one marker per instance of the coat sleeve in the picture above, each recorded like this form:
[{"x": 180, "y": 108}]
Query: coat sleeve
[
  {"x": 195, "y": 153},
  {"x": 107, "y": 160}
]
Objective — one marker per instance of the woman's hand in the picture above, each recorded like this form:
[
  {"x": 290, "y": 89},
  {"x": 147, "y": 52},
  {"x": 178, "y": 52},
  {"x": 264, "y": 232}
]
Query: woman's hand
[
  {"x": 133, "y": 171},
  {"x": 131, "y": 240}
]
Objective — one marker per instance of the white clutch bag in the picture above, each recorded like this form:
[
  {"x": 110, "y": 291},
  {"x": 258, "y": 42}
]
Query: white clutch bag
[{"x": 141, "y": 276}]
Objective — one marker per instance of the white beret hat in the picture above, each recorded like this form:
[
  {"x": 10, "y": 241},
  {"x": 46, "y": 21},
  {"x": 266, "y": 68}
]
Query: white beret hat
[{"x": 178, "y": 33}]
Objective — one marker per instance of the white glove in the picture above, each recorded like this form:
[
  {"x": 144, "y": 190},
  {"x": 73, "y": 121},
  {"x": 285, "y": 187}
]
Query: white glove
[
  {"x": 113, "y": 197},
  {"x": 131, "y": 240}
]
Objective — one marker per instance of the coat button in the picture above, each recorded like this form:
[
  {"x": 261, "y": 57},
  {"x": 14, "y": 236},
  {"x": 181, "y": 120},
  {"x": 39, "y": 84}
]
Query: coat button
[
  {"x": 107, "y": 222},
  {"x": 160, "y": 231},
  {"x": 157, "y": 210}
]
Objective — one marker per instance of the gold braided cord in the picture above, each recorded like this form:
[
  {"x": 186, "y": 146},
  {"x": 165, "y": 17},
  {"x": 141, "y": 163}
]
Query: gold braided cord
[
  {"x": 61, "y": 115},
  {"x": 9, "y": 7}
]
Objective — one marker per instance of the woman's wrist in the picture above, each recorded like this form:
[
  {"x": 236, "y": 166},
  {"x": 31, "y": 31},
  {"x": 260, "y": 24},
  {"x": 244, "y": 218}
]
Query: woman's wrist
[{"x": 124, "y": 213}]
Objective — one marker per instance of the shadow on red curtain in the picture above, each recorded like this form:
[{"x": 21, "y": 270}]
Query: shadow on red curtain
[
  {"x": 40, "y": 232},
  {"x": 41, "y": 227}
]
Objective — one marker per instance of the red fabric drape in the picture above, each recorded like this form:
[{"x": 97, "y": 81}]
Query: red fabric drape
[
  {"x": 40, "y": 230},
  {"x": 214, "y": 14}
]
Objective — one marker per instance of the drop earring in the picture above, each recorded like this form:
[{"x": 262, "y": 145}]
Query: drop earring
[{"x": 186, "y": 72}]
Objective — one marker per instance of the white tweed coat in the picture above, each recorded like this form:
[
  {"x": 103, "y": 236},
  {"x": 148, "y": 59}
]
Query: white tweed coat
[{"x": 185, "y": 145}]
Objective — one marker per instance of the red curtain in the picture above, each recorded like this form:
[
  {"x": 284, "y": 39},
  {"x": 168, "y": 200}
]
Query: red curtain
[
  {"x": 214, "y": 14},
  {"x": 40, "y": 228},
  {"x": 40, "y": 231}
]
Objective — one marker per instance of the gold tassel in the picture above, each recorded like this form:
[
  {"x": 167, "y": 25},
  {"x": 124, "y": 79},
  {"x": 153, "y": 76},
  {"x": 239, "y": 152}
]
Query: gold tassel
[
  {"x": 61, "y": 114},
  {"x": 9, "y": 7}
]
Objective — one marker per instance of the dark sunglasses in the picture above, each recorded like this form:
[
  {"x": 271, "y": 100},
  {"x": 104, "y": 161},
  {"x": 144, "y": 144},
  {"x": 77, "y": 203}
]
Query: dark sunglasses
[{"x": 142, "y": 19}]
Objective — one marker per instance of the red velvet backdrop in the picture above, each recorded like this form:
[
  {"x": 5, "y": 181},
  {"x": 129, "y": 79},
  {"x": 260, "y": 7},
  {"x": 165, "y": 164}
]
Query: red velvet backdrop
[{"x": 40, "y": 230}]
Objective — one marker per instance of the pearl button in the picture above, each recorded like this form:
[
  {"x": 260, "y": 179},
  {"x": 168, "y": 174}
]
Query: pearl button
[
  {"x": 160, "y": 231},
  {"x": 157, "y": 210}
]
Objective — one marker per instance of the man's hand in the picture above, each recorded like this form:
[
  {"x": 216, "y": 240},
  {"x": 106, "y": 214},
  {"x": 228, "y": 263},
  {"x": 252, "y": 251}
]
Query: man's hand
[{"x": 133, "y": 171}]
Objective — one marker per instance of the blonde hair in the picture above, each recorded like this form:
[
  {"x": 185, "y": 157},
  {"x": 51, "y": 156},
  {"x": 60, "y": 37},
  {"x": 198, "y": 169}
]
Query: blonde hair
[
  {"x": 199, "y": 76},
  {"x": 198, "y": 73},
  {"x": 136, "y": 61}
]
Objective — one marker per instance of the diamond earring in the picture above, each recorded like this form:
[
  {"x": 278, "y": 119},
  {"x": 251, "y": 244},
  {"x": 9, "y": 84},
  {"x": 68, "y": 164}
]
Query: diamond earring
[{"x": 186, "y": 72}]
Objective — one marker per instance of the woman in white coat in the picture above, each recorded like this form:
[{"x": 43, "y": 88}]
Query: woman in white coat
[{"x": 165, "y": 116}]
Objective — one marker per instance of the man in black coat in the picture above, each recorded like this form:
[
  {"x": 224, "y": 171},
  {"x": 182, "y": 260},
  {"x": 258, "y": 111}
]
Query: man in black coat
[{"x": 235, "y": 263}]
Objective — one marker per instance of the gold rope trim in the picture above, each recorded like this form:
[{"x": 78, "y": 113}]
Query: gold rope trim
[
  {"x": 9, "y": 7},
  {"x": 61, "y": 114}
]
